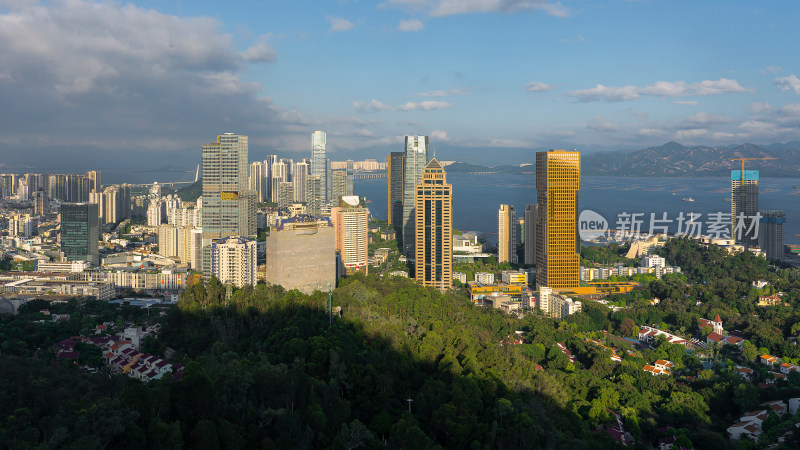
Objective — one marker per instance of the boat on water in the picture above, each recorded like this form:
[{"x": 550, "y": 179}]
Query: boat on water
[
  {"x": 688, "y": 199},
  {"x": 727, "y": 199}
]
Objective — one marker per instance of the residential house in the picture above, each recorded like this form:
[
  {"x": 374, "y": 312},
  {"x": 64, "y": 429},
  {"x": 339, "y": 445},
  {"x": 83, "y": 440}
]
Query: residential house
[
  {"x": 655, "y": 370},
  {"x": 794, "y": 405},
  {"x": 664, "y": 364},
  {"x": 777, "y": 406},
  {"x": 749, "y": 425},
  {"x": 649, "y": 334},
  {"x": 770, "y": 360},
  {"x": 787, "y": 368},
  {"x": 744, "y": 372}
]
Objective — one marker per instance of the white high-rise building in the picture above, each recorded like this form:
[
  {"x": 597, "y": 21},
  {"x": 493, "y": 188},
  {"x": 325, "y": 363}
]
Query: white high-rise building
[
  {"x": 257, "y": 179},
  {"x": 233, "y": 261},
  {"x": 154, "y": 213},
  {"x": 302, "y": 170},
  {"x": 319, "y": 162},
  {"x": 280, "y": 174},
  {"x": 168, "y": 241}
]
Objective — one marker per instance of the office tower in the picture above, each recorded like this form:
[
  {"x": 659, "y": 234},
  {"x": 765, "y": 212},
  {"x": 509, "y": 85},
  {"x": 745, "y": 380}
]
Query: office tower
[
  {"x": 313, "y": 196},
  {"x": 770, "y": 234},
  {"x": 394, "y": 189},
  {"x": 507, "y": 234},
  {"x": 744, "y": 200},
  {"x": 280, "y": 173},
  {"x": 434, "y": 224},
  {"x": 228, "y": 207},
  {"x": 416, "y": 157},
  {"x": 328, "y": 182},
  {"x": 302, "y": 170},
  {"x": 40, "y": 202},
  {"x": 530, "y": 234},
  {"x": 94, "y": 181},
  {"x": 558, "y": 174},
  {"x": 339, "y": 184},
  {"x": 285, "y": 194},
  {"x": 256, "y": 179},
  {"x": 319, "y": 162},
  {"x": 80, "y": 231},
  {"x": 350, "y": 226},
  {"x": 301, "y": 254},
  {"x": 233, "y": 261}
]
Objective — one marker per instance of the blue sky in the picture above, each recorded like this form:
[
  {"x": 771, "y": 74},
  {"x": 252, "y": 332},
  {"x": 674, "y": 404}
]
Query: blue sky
[{"x": 151, "y": 81}]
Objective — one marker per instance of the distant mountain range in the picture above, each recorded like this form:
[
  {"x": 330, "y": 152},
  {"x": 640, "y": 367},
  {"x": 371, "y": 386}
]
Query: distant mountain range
[{"x": 675, "y": 160}]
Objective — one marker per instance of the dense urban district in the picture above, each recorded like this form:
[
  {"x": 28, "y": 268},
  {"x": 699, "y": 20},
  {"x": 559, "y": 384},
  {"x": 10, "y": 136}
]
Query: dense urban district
[{"x": 264, "y": 306}]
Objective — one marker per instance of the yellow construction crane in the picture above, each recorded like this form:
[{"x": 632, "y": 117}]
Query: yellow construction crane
[{"x": 747, "y": 159}]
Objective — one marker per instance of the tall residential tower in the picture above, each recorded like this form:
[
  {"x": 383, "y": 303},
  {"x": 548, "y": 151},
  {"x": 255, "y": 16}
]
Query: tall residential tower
[
  {"x": 228, "y": 206},
  {"x": 507, "y": 234},
  {"x": 744, "y": 202}
]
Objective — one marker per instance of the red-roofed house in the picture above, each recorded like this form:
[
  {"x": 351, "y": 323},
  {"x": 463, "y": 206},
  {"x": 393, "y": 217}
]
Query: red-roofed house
[
  {"x": 744, "y": 372},
  {"x": 714, "y": 338},
  {"x": 769, "y": 360},
  {"x": 778, "y": 406},
  {"x": 716, "y": 324},
  {"x": 664, "y": 364},
  {"x": 787, "y": 368}
]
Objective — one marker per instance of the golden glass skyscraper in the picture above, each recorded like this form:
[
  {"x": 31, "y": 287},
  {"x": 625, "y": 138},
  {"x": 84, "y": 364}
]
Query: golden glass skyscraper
[
  {"x": 433, "y": 211},
  {"x": 558, "y": 178}
]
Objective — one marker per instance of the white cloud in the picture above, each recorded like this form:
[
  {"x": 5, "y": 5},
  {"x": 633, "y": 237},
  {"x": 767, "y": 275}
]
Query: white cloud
[
  {"x": 377, "y": 106},
  {"x": 650, "y": 132},
  {"x": 439, "y": 135},
  {"x": 410, "y": 25},
  {"x": 578, "y": 38},
  {"x": 538, "y": 86},
  {"x": 442, "y": 8},
  {"x": 686, "y": 102},
  {"x": 658, "y": 89},
  {"x": 444, "y": 93},
  {"x": 339, "y": 24},
  {"x": 773, "y": 69},
  {"x": 261, "y": 51},
  {"x": 98, "y": 83},
  {"x": 705, "y": 120},
  {"x": 690, "y": 134},
  {"x": 600, "y": 124},
  {"x": 758, "y": 107},
  {"x": 789, "y": 83}
]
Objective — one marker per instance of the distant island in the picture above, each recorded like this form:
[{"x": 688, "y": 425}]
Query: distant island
[{"x": 673, "y": 160}]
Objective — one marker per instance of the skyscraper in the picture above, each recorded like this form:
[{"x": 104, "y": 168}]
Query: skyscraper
[
  {"x": 80, "y": 231},
  {"x": 416, "y": 157},
  {"x": 313, "y": 196},
  {"x": 744, "y": 201},
  {"x": 350, "y": 226},
  {"x": 530, "y": 234},
  {"x": 319, "y": 163},
  {"x": 507, "y": 234},
  {"x": 558, "y": 176},
  {"x": 228, "y": 207},
  {"x": 770, "y": 234},
  {"x": 95, "y": 184},
  {"x": 434, "y": 224},
  {"x": 394, "y": 189}
]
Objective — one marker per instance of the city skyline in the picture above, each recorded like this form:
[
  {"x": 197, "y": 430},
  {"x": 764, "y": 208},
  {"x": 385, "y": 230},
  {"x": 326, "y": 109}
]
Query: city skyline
[{"x": 553, "y": 75}]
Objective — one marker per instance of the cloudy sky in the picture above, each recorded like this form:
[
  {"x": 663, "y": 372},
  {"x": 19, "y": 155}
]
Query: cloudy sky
[{"x": 87, "y": 84}]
